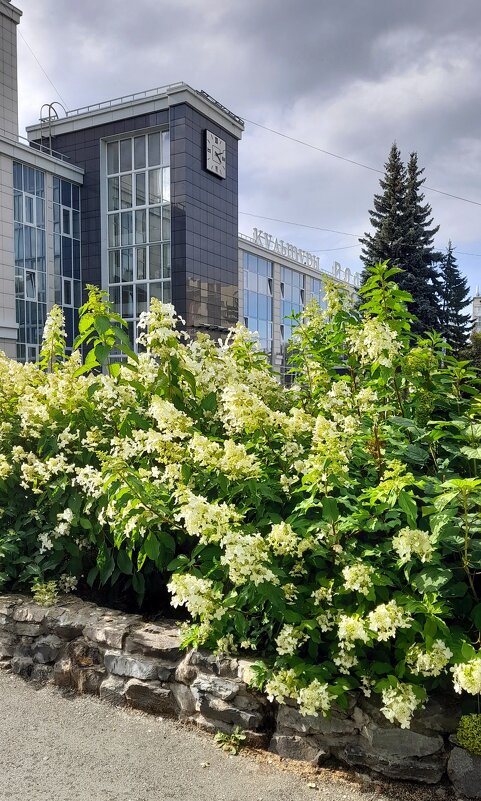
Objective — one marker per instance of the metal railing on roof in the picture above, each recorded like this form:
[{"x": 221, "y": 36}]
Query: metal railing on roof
[
  {"x": 160, "y": 90},
  {"x": 21, "y": 140},
  {"x": 117, "y": 101}
]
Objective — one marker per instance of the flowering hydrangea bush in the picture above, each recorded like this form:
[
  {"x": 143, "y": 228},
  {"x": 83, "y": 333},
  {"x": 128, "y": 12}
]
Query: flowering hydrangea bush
[{"x": 331, "y": 529}]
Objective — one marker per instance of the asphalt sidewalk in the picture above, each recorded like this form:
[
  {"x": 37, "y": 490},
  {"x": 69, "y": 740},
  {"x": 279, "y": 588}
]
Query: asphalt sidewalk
[{"x": 74, "y": 748}]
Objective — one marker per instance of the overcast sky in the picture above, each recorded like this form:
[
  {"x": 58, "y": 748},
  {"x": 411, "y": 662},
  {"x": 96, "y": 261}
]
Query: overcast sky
[{"x": 346, "y": 76}]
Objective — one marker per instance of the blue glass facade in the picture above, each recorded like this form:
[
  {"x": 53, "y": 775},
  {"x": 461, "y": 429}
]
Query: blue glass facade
[
  {"x": 139, "y": 223},
  {"x": 66, "y": 248},
  {"x": 258, "y": 298},
  {"x": 30, "y": 259},
  {"x": 317, "y": 291}
]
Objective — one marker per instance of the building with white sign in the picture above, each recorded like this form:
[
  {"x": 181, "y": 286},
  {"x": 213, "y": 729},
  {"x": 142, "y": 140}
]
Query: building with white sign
[{"x": 138, "y": 195}]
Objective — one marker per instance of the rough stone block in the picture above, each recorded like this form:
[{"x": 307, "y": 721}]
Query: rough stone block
[
  {"x": 464, "y": 770},
  {"x": 185, "y": 672},
  {"x": 151, "y": 697},
  {"x": 402, "y": 742},
  {"x": 87, "y": 680},
  {"x": 27, "y": 629},
  {"x": 62, "y": 672},
  {"x": 41, "y": 673},
  {"x": 441, "y": 714},
  {"x": 29, "y": 613},
  {"x": 112, "y": 690},
  {"x": 136, "y": 667},
  {"x": 8, "y": 604},
  {"x": 7, "y": 645},
  {"x": 110, "y": 631},
  {"x": 207, "y": 663},
  {"x": 69, "y": 622},
  {"x": 304, "y": 749},
  {"x": 216, "y": 686},
  {"x": 184, "y": 698},
  {"x": 428, "y": 769},
  {"x": 332, "y": 729},
  {"x": 22, "y": 665},
  {"x": 154, "y": 640},
  {"x": 84, "y": 653},
  {"x": 211, "y": 707},
  {"x": 46, "y": 649}
]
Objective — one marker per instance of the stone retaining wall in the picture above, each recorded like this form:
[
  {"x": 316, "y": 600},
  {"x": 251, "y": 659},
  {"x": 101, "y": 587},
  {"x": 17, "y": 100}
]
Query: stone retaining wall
[{"x": 130, "y": 662}]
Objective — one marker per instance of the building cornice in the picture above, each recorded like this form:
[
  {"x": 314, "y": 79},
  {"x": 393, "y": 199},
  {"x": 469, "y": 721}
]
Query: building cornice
[
  {"x": 9, "y": 11},
  {"x": 147, "y": 102},
  {"x": 39, "y": 160}
]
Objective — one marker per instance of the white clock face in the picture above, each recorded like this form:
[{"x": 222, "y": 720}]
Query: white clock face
[{"x": 215, "y": 154}]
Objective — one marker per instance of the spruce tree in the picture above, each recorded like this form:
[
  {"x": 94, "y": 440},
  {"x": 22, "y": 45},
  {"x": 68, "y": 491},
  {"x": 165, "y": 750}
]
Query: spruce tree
[
  {"x": 387, "y": 217},
  {"x": 404, "y": 233},
  {"x": 454, "y": 292}
]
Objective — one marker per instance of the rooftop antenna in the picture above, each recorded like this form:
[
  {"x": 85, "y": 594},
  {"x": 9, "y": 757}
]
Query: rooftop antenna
[{"x": 52, "y": 115}]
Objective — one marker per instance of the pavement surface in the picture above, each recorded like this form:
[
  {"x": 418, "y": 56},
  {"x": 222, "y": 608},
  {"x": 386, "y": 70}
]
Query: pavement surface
[{"x": 57, "y": 747}]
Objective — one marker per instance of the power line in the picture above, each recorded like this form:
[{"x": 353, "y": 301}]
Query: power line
[
  {"x": 353, "y": 161},
  {"x": 44, "y": 72},
  {"x": 299, "y": 225}
]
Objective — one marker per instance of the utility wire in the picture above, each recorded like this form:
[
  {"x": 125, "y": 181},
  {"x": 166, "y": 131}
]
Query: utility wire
[
  {"x": 300, "y": 225},
  {"x": 353, "y": 161},
  {"x": 44, "y": 72}
]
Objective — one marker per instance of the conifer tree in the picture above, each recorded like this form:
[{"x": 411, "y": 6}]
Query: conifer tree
[
  {"x": 387, "y": 217},
  {"x": 404, "y": 233},
  {"x": 454, "y": 293}
]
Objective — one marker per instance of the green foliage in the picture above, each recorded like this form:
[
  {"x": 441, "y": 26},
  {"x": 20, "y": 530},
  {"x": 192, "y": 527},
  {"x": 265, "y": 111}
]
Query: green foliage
[
  {"x": 454, "y": 292},
  {"x": 332, "y": 530},
  {"x": 403, "y": 233},
  {"x": 231, "y": 743},
  {"x": 468, "y": 734},
  {"x": 45, "y": 592}
]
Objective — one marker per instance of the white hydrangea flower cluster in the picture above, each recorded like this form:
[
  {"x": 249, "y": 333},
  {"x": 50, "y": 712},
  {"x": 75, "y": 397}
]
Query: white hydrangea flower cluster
[
  {"x": 400, "y": 703},
  {"x": 230, "y": 458},
  {"x": 67, "y": 583},
  {"x": 282, "y": 685},
  {"x": 367, "y": 400},
  {"x": 358, "y": 577},
  {"x": 374, "y": 342},
  {"x": 351, "y": 628},
  {"x": 467, "y": 676},
  {"x": 158, "y": 327},
  {"x": 208, "y": 521},
  {"x": 90, "y": 480},
  {"x": 327, "y": 620},
  {"x": 245, "y": 556},
  {"x": 430, "y": 662},
  {"x": 283, "y": 541},
  {"x": 197, "y": 594},
  {"x": 323, "y": 594},
  {"x": 411, "y": 542},
  {"x": 385, "y": 619},
  {"x": 314, "y": 698},
  {"x": 243, "y": 410},
  {"x": 173, "y": 423},
  {"x": 289, "y": 639},
  {"x": 5, "y": 467}
]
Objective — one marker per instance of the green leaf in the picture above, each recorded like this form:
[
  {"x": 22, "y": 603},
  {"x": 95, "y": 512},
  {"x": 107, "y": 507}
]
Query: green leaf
[
  {"x": 432, "y": 579},
  {"x": 102, "y": 323},
  {"x": 151, "y": 547},
  {"x": 476, "y": 616},
  {"x": 92, "y": 575},
  {"x": 408, "y": 505},
  {"x": 124, "y": 562},
  {"x": 209, "y": 402},
  {"x": 138, "y": 584},
  {"x": 330, "y": 509},
  {"x": 102, "y": 353}
]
